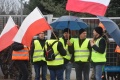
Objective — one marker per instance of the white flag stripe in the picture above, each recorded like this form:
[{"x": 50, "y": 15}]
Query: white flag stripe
[
  {"x": 9, "y": 23},
  {"x": 32, "y": 17},
  {"x": 104, "y": 2}
]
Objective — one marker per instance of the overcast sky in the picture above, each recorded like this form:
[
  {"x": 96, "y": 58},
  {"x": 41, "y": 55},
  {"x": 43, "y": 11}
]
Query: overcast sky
[{"x": 26, "y": 0}]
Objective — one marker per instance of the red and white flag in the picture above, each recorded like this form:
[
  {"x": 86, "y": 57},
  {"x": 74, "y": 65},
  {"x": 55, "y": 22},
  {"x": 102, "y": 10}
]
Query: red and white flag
[
  {"x": 95, "y": 7},
  {"x": 33, "y": 24},
  {"x": 8, "y": 34}
]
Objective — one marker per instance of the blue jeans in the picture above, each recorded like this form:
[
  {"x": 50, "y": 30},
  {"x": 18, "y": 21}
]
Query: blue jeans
[
  {"x": 98, "y": 71},
  {"x": 68, "y": 68},
  {"x": 82, "y": 68},
  {"x": 58, "y": 73},
  {"x": 37, "y": 71}
]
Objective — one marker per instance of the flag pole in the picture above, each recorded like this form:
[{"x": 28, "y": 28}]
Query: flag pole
[
  {"x": 54, "y": 33},
  {"x": 68, "y": 25}
]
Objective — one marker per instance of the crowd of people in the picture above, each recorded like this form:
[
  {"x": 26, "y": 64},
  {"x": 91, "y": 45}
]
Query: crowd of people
[{"x": 80, "y": 51}]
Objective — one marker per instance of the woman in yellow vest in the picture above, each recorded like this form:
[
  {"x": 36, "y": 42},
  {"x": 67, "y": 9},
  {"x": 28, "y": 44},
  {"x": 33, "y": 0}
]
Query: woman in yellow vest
[
  {"x": 98, "y": 57},
  {"x": 37, "y": 55},
  {"x": 20, "y": 55}
]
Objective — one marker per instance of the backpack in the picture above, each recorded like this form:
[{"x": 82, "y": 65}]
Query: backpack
[{"x": 49, "y": 53}]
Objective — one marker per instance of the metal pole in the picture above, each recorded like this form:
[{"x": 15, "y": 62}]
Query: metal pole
[{"x": 21, "y": 11}]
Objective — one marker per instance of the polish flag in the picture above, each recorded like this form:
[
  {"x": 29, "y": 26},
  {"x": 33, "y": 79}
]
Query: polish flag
[
  {"x": 8, "y": 34},
  {"x": 33, "y": 24},
  {"x": 95, "y": 7}
]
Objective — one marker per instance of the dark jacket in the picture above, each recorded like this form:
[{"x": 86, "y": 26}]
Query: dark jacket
[
  {"x": 102, "y": 46},
  {"x": 17, "y": 46},
  {"x": 42, "y": 43}
]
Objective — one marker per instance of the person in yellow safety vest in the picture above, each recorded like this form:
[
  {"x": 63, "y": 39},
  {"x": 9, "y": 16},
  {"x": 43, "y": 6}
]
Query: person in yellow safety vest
[
  {"x": 20, "y": 55},
  {"x": 56, "y": 67},
  {"x": 98, "y": 58},
  {"x": 117, "y": 50},
  {"x": 67, "y": 41},
  {"x": 37, "y": 55},
  {"x": 82, "y": 54}
]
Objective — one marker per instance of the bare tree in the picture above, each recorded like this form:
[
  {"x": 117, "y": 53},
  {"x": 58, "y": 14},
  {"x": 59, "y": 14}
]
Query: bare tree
[
  {"x": 9, "y": 6},
  {"x": 16, "y": 7},
  {"x": 2, "y": 6}
]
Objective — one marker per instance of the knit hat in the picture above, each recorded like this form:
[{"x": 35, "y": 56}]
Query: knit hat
[
  {"x": 66, "y": 30},
  {"x": 99, "y": 30},
  {"x": 81, "y": 31}
]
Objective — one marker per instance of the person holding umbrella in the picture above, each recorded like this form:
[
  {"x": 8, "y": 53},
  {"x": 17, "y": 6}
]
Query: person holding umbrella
[
  {"x": 98, "y": 58},
  {"x": 67, "y": 41}
]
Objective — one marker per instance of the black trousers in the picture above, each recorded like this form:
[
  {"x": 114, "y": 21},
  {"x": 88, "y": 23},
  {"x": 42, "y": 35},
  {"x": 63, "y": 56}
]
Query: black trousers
[{"x": 23, "y": 68}]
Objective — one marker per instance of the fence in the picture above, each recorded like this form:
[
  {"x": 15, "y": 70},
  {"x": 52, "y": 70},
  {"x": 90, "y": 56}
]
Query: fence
[{"x": 92, "y": 22}]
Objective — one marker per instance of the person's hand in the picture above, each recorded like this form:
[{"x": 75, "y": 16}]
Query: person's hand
[
  {"x": 92, "y": 42},
  {"x": 69, "y": 43}
]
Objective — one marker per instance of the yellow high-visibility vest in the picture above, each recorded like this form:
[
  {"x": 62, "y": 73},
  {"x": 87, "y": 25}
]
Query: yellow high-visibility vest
[
  {"x": 38, "y": 54},
  {"x": 96, "y": 56},
  {"x": 68, "y": 56},
  {"x": 81, "y": 53},
  {"x": 58, "y": 59}
]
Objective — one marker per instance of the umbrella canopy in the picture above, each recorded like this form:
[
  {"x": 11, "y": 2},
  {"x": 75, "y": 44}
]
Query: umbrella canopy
[
  {"x": 111, "y": 28},
  {"x": 71, "y": 22}
]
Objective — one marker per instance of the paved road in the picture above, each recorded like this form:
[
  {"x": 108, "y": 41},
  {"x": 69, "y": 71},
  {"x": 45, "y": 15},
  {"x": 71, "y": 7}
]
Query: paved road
[{"x": 33, "y": 74}]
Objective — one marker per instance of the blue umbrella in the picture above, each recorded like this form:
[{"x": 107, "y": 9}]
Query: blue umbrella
[
  {"x": 111, "y": 28},
  {"x": 71, "y": 22}
]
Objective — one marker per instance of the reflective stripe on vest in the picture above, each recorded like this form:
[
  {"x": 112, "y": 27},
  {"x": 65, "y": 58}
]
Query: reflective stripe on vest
[
  {"x": 81, "y": 53},
  {"x": 81, "y": 50},
  {"x": 38, "y": 54},
  {"x": 58, "y": 59},
  {"x": 96, "y": 56},
  {"x": 68, "y": 56},
  {"x": 38, "y": 50},
  {"x": 21, "y": 54}
]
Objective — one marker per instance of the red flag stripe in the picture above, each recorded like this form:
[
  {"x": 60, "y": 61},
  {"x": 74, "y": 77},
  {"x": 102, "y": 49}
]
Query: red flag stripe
[
  {"x": 6, "y": 39},
  {"x": 35, "y": 28},
  {"x": 86, "y": 7}
]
